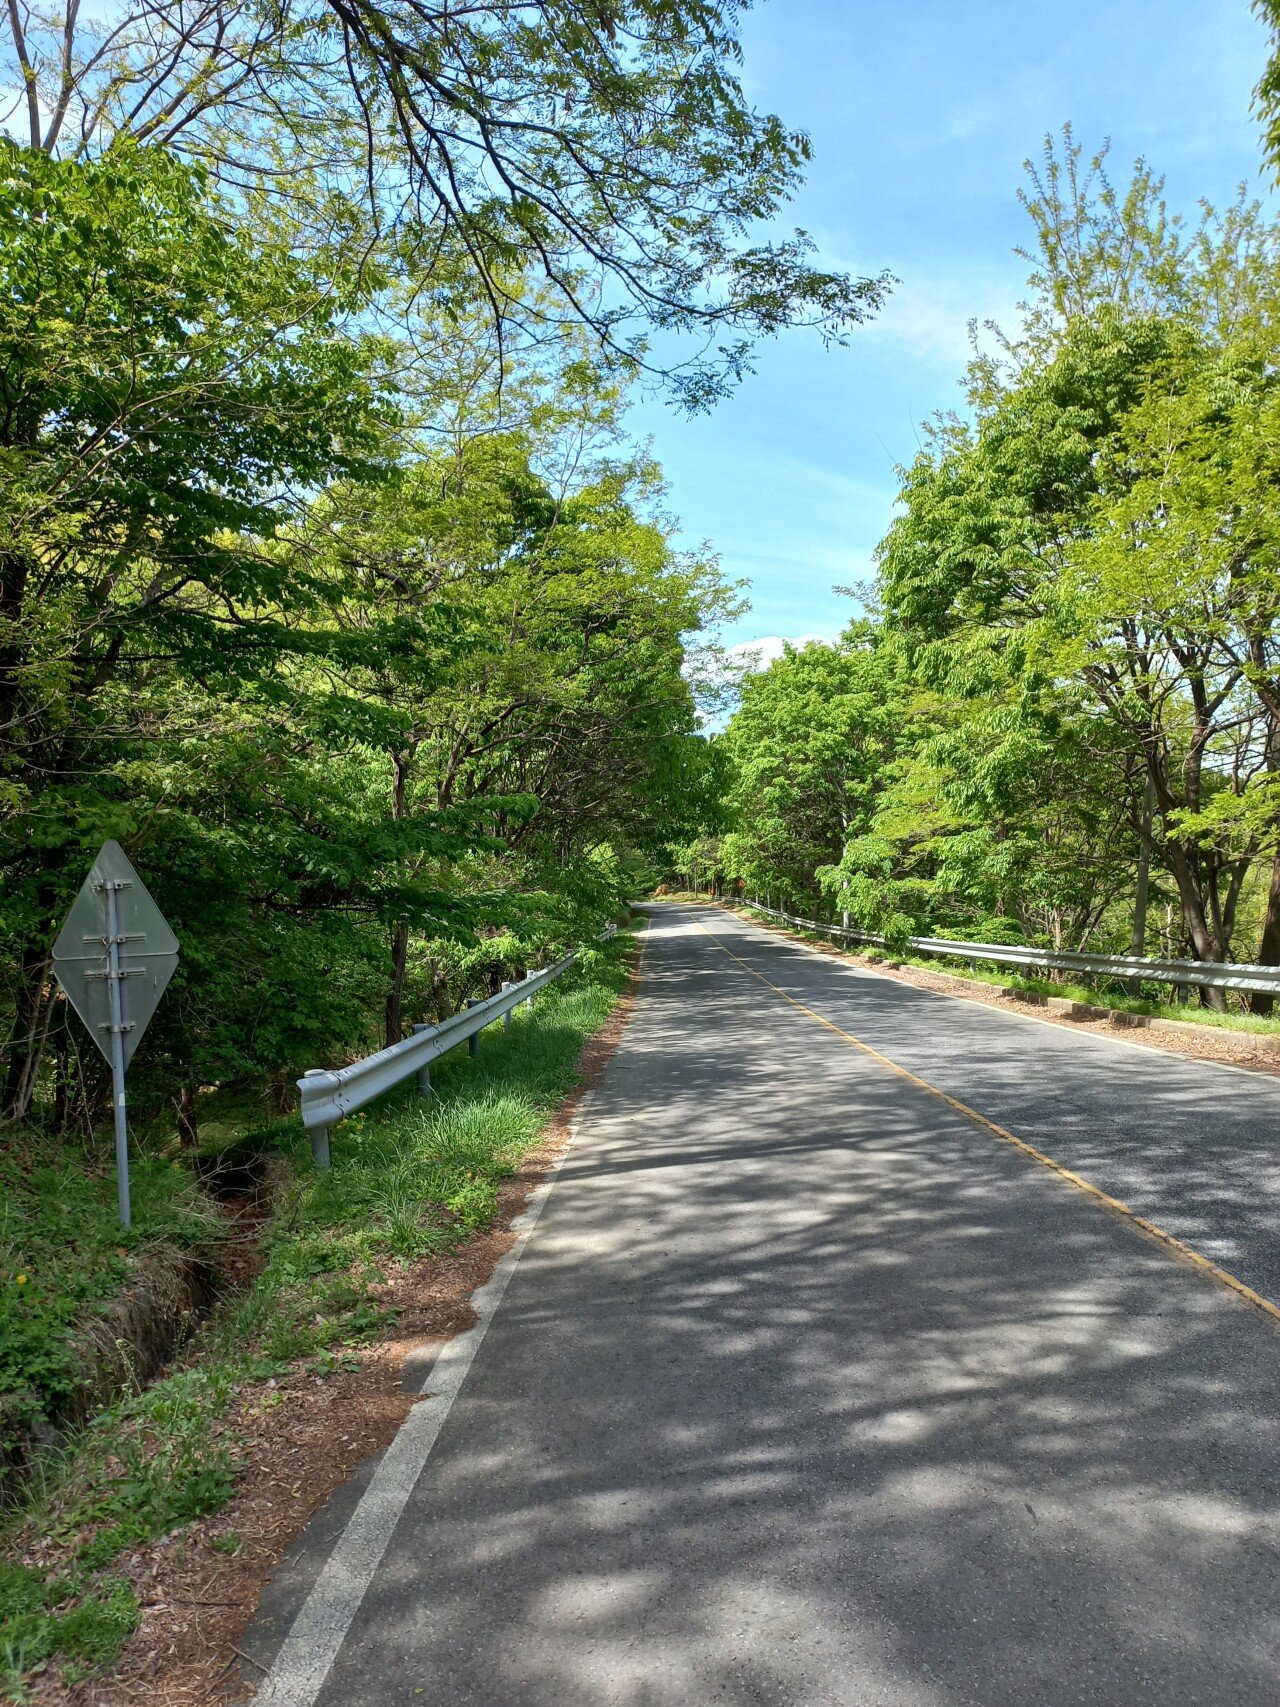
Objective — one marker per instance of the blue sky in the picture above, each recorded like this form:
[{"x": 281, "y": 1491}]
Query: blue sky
[{"x": 921, "y": 115}]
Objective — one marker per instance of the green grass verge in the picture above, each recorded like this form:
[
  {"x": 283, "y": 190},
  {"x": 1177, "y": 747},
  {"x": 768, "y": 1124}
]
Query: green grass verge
[
  {"x": 409, "y": 1180},
  {"x": 63, "y": 1253}
]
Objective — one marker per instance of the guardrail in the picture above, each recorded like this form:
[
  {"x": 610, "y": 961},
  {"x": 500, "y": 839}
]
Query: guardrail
[
  {"x": 328, "y": 1096},
  {"x": 1203, "y": 974}
]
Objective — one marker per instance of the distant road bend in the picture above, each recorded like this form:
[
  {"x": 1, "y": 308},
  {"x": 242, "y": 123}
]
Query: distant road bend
[{"x": 808, "y": 1388}]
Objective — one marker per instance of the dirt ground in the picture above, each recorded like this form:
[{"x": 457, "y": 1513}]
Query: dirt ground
[
  {"x": 1199, "y": 1042},
  {"x": 301, "y": 1437}
]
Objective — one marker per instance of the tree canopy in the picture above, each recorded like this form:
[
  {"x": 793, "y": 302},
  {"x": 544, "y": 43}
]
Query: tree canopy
[
  {"x": 368, "y": 661},
  {"x": 604, "y": 147}
]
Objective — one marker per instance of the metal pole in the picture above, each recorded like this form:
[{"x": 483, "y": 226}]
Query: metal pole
[
  {"x": 506, "y": 1018},
  {"x": 115, "y": 997},
  {"x": 424, "y": 1073},
  {"x": 319, "y": 1134},
  {"x": 473, "y": 1042}
]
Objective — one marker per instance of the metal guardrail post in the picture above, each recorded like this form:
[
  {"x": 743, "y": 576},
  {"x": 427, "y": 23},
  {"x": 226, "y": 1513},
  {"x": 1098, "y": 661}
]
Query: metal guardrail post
[
  {"x": 320, "y": 1155},
  {"x": 424, "y": 1073},
  {"x": 509, "y": 984},
  {"x": 473, "y": 1042}
]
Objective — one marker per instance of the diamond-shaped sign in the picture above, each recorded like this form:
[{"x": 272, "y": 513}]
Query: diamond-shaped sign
[{"x": 148, "y": 952}]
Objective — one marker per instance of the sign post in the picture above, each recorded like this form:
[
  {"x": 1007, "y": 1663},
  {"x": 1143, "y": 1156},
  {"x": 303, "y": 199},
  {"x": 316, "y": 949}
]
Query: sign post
[{"x": 114, "y": 957}]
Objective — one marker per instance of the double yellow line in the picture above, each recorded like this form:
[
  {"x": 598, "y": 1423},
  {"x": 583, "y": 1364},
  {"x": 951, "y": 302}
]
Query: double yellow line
[{"x": 1113, "y": 1204}]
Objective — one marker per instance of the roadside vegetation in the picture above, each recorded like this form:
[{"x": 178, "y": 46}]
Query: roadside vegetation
[
  {"x": 1102, "y": 993},
  {"x": 410, "y": 1180},
  {"x": 331, "y": 584},
  {"x": 1058, "y": 723}
]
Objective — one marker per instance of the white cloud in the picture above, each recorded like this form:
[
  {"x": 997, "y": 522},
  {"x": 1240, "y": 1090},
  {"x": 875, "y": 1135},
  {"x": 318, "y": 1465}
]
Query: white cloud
[
  {"x": 927, "y": 314},
  {"x": 930, "y": 319}
]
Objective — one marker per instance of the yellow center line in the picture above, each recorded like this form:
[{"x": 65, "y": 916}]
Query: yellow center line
[{"x": 1113, "y": 1204}]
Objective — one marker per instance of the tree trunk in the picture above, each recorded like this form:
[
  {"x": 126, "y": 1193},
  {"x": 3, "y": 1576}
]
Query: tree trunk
[
  {"x": 30, "y": 1029},
  {"x": 33, "y": 985},
  {"x": 442, "y": 1006},
  {"x": 395, "y": 995},
  {"x": 400, "y": 934},
  {"x": 1138, "y": 941},
  {"x": 1193, "y": 914},
  {"x": 1269, "y": 949},
  {"x": 281, "y": 1091},
  {"x": 184, "y": 1102},
  {"x": 14, "y": 569}
]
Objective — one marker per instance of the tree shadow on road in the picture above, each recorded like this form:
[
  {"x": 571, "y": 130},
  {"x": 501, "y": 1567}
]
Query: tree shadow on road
[{"x": 809, "y": 1391}]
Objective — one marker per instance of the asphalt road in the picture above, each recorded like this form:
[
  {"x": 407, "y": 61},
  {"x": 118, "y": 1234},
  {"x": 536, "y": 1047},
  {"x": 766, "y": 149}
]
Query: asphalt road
[
  {"x": 1188, "y": 1144},
  {"x": 809, "y": 1390}
]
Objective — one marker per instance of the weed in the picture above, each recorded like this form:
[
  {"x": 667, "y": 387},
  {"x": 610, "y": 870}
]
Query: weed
[
  {"x": 43, "y": 1619},
  {"x": 62, "y": 1252}
]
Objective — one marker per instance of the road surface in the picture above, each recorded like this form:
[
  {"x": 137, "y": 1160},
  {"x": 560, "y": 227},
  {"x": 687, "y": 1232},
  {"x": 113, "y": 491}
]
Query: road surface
[{"x": 810, "y": 1390}]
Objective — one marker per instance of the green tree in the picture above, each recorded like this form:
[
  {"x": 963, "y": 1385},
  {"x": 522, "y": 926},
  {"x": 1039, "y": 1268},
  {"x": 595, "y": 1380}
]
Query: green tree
[
  {"x": 1267, "y": 94},
  {"x": 999, "y": 820},
  {"x": 807, "y": 751},
  {"x": 515, "y": 652},
  {"x": 169, "y": 392},
  {"x": 1100, "y": 525},
  {"x": 604, "y": 146}
]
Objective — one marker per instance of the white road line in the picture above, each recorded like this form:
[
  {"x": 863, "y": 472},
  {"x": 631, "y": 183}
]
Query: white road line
[{"x": 320, "y": 1628}]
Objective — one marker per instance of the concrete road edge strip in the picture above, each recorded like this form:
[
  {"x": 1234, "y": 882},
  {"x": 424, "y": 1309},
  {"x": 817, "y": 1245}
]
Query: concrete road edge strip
[
  {"x": 320, "y": 1628},
  {"x": 1169, "y": 1240}
]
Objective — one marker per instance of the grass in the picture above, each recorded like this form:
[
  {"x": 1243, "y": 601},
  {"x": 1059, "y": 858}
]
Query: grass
[
  {"x": 1101, "y": 996},
  {"x": 409, "y": 1179},
  {"x": 37, "y": 1625},
  {"x": 64, "y": 1254}
]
